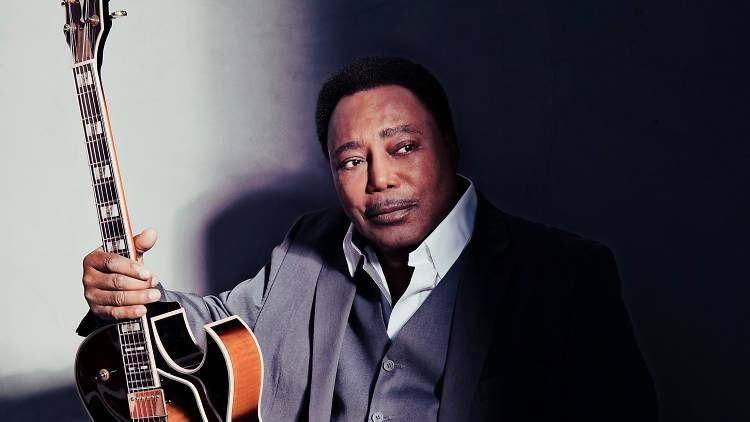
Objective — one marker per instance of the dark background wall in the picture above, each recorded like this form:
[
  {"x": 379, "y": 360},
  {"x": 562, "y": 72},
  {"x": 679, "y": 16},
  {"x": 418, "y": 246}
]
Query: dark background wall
[{"x": 625, "y": 122}]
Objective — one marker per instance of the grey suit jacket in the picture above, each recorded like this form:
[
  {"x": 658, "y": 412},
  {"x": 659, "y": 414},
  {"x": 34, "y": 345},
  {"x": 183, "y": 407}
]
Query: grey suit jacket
[{"x": 539, "y": 329}]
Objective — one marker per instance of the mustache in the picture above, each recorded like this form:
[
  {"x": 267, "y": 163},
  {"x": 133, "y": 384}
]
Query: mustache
[{"x": 388, "y": 205}]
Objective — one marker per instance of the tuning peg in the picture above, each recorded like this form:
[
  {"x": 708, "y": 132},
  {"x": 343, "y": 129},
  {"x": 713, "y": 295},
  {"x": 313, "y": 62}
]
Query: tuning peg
[{"x": 118, "y": 14}]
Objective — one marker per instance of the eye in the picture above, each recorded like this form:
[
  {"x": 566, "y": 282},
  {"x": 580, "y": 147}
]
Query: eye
[
  {"x": 405, "y": 149},
  {"x": 350, "y": 164}
]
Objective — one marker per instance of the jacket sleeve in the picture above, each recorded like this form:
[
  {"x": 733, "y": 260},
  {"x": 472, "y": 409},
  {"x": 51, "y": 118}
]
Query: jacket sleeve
[
  {"x": 605, "y": 374},
  {"x": 244, "y": 300}
]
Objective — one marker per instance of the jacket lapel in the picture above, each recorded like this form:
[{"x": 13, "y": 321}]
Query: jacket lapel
[
  {"x": 480, "y": 294},
  {"x": 333, "y": 300}
]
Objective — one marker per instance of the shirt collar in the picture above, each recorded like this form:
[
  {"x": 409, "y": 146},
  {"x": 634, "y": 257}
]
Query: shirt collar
[{"x": 440, "y": 249}]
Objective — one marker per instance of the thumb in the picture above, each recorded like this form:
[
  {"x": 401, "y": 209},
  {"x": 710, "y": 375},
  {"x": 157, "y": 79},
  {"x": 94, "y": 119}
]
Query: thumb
[{"x": 144, "y": 241}]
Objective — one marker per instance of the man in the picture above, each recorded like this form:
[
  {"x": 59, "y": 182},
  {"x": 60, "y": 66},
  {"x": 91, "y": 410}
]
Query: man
[{"x": 421, "y": 300}]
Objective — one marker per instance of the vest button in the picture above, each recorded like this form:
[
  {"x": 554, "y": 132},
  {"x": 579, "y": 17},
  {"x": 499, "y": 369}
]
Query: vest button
[
  {"x": 377, "y": 417},
  {"x": 388, "y": 365}
]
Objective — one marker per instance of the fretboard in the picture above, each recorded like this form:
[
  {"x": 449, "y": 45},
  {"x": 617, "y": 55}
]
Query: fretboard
[
  {"x": 114, "y": 226},
  {"x": 110, "y": 208}
]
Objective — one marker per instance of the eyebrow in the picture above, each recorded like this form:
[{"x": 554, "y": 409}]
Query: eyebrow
[
  {"x": 384, "y": 133},
  {"x": 346, "y": 147},
  {"x": 391, "y": 131}
]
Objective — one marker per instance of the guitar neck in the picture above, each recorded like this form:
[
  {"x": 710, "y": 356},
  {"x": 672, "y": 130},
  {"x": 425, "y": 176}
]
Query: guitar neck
[
  {"x": 112, "y": 213},
  {"x": 111, "y": 210}
]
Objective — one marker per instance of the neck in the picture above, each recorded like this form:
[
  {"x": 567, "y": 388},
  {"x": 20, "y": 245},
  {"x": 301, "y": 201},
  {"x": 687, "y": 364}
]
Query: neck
[
  {"x": 397, "y": 272},
  {"x": 114, "y": 225}
]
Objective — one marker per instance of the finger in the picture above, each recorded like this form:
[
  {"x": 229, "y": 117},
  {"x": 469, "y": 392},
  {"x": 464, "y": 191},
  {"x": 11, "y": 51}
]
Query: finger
[
  {"x": 119, "y": 312},
  {"x": 104, "y": 281},
  {"x": 120, "y": 298},
  {"x": 112, "y": 263},
  {"x": 144, "y": 241}
]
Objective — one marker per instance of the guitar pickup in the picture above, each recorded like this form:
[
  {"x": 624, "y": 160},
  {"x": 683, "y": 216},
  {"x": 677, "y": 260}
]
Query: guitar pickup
[{"x": 147, "y": 404}]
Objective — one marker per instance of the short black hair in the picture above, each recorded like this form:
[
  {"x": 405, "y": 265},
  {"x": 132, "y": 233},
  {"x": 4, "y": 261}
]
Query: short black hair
[{"x": 372, "y": 72}]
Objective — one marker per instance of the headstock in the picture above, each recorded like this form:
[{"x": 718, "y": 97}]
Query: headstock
[{"x": 87, "y": 23}]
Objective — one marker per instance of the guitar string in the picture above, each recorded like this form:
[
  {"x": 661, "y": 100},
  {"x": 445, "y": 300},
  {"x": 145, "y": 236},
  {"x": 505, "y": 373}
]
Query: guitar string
[{"x": 71, "y": 32}]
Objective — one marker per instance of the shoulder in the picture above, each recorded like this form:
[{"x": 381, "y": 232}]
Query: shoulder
[
  {"x": 539, "y": 238},
  {"x": 540, "y": 244},
  {"x": 318, "y": 229}
]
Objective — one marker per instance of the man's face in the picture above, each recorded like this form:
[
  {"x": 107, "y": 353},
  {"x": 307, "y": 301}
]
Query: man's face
[{"x": 393, "y": 170}]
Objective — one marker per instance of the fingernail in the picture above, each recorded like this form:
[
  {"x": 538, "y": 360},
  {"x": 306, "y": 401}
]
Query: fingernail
[
  {"x": 154, "y": 282},
  {"x": 140, "y": 311},
  {"x": 154, "y": 294}
]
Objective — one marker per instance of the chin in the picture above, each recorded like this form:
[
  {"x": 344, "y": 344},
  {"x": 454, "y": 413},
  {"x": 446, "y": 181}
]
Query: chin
[{"x": 396, "y": 238}]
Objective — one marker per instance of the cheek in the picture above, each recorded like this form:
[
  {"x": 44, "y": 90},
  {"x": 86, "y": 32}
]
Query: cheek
[{"x": 350, "y": 193}]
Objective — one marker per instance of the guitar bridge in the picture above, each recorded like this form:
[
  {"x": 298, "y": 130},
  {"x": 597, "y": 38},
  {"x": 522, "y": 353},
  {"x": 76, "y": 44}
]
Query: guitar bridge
[{"x": 147, "y": 404}]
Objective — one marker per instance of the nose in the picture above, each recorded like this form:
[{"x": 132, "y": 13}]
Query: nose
[{"x": 380, "y": 174}]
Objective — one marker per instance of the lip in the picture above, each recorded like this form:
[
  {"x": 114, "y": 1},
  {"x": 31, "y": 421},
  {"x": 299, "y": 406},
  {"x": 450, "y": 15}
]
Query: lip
[{"x": 390, "y": 214}]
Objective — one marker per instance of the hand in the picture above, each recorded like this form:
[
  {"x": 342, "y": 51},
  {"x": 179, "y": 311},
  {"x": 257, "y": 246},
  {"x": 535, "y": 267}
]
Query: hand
[{"x": 116, "y": 287}]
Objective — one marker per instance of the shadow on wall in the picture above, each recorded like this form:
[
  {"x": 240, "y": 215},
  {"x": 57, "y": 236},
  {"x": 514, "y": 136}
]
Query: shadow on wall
[{"x": 239, "y": 239}]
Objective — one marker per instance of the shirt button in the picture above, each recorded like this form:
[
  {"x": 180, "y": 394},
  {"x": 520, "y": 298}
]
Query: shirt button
[
  {"x": 388, "y": 365},
  {"x": 377, "y": 417}
]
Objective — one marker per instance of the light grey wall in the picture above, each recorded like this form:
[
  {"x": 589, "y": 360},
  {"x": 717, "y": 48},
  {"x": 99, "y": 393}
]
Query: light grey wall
[{"x": 208, "y": 100}]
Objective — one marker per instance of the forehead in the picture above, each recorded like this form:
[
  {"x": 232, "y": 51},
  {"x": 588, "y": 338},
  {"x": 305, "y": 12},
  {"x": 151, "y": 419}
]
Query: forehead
[{"x": 375, "y": 109}]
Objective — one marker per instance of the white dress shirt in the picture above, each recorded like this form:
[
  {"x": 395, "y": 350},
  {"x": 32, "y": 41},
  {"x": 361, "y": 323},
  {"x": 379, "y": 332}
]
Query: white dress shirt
[{"x": 431, "y": 261}]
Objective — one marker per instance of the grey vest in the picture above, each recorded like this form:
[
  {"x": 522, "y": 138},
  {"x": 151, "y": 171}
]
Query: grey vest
[{"x": 382, "y": 380}]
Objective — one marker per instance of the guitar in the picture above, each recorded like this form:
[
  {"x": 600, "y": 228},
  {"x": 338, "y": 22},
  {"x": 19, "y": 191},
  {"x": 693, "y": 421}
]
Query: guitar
[{"x": 147, "y": 369}]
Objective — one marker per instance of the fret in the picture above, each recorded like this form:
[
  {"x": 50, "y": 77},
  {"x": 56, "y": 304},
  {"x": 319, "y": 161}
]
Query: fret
[
  {"x": 142, "y": 388},
  {"x": 97, "y": 147},
  {"x": 94, "y": 128},
  {"x": 95, "y": 160},
  {"x": 108, "y": 213},
  {"x": 83, "y": 91},
  {"x": 93, "y": 116},
  {"x": 140, "y": 382},
  {"x": 89, "y": 105},
  {"x": 101, "y": 175},
  {"x": 115, "y": 229},
  {"x": 135, "y": 346},
  {"x": 122, "y": 252},
  {"x": 109, "y": 204},
  {"x": 101, "y": 172},
  {"x": 98, "y": 144},
  {"x": 115, "y": 245},
  {"x": 108, "y": 238},
  {"x": 130, "y": 327},
  {"x": 108, "y": 220},
  {"x": 106, "y": 192},
  {"x": 136, "y": 368},
  {"x": 84, "y": 78},
  {"x": 132, "y": 338},
  {"x": 135, "y": 355}
]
